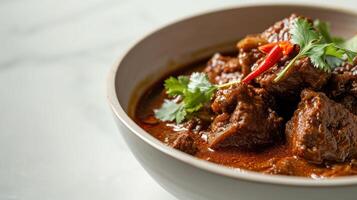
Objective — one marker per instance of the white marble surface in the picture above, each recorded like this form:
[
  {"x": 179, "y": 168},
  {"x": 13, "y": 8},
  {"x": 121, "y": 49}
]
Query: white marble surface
[{"x": 57, "y": 137}]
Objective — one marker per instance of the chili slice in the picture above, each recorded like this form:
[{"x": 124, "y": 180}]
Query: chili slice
[
  {"x": 270, "y": 60},
  {"x": 286, "y": 46}
]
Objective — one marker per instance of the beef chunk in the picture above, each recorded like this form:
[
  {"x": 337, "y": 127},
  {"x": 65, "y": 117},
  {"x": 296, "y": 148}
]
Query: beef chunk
[
  {"x": 222, "y": 69},
  {"x": 185, "y": 143},
  {"x": 251, "y": 42},
  {"x": 350, "y": 102},
  {"x": 322, "y": 130},
  {"x": 302, "y": 74},
  {"x": 225, "y": 100},
  {"x": 342, "y": 86},
  {"x": 343, "y": 81},
  {"x": 246, "y": 119},
  {"x": 248, "y": 58},
  {"x": 248, "y": 51},
  {"x": 280, "y": 30}
]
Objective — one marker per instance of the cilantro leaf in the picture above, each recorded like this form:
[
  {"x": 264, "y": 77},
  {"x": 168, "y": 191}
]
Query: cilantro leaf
[
  {"x": 199, "y": 81},
  {"x": 333, "y": 61},
  {"x": 316, "y": 56},
  {"x": 194, "y": 101},
  {"x": 303, "y": 34},
  {"x": 176, "y": 86},
  {"x": 340, "y": 53},
  {"x": 194, "y": 91},
  {"x": 170, "y": 110},
  {"x": 324, "y": 30},
  {"x": 200, "y": 89},
  {"x": 329, "y": 56},
  {"x": 335, "y": 51},
  {"x": 338, "y": 40},
  {"x": 351, "y": 44},
  {"x": 350, "y": 55}
]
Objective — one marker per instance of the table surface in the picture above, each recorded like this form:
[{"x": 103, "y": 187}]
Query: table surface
[{"x": 57, "y": 136}]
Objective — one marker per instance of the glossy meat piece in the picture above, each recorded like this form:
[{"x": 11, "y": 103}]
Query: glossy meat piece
[
  {"x": 250, "y": 124},
  {"x": 248, "y": 58},
  {"x": 248, "y": 51},
  {"x": 225, "y": 100},
  {"x": 185, "y": 143},
  {"x": 344, "y": 80},
  {"x": 342, "y": 86},
  {"x": 322, "y": 130},
  {"x": 251, "y": 42},
  {"x": 350, "y": 102},
  {"x": 302, "y": 75},
  {"x": 280, "y": 30},
  {"x": 222, "y": 69}
]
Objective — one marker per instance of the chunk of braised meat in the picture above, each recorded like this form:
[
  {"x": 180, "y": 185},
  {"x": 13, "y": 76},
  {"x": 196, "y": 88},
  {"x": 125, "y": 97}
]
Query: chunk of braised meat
[
  {"x": 222, "y": 69},
  {"x": 248, "y": 51},
  {"x": 280, "y": 31},
  {"x": 344, "y": 80},
  {"x": 251, "y": 42},
  {"x": 342, "y": 86},
  {"x": 251, "y": 122},
  {"x": 350, "y": 102},
  {"x": 302, "y": 75},
  {"x": 226, "y": 100},
  {"x": 197, "y": 123},
  {"x": 185, "y": 143},
  {"x": 322, "y": 130}
]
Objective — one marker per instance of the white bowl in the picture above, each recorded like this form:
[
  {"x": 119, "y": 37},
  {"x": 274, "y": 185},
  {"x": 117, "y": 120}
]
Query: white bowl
[{"x": 190, "y": 39}]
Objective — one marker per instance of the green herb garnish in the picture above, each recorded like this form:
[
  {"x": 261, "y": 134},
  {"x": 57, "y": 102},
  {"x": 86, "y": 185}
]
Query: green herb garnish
[
  {"x": 324, "y": 29},
  {"x": 318, "y": 45},
  {"x": 351, "y": 44},
  {"x": 192, "y": 93}
]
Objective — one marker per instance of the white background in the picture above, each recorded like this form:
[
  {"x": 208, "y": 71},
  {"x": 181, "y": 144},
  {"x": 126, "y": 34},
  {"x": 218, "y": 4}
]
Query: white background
[{"x": 57, "y": 136}]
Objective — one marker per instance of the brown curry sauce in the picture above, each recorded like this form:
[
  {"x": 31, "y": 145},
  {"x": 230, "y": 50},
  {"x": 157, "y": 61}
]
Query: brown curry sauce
[{"x": 263, "y": 160}]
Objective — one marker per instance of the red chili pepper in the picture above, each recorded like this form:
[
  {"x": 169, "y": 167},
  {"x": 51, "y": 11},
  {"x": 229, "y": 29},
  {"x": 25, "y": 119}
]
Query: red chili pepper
[
  {"x": 270, "y": 60},
  {"x": 285, "y": 45}
]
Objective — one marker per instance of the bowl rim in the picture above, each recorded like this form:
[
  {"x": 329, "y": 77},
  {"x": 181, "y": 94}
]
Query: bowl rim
[{"x": 235, "y": 173}]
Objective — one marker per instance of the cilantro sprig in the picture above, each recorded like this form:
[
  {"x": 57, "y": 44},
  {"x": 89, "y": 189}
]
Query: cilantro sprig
[
  {"x": 351, "y": 44},
  {"x": 324, "y": 29},
  {"x": 189, "y": 94},
  {"x": 324, "y": 51}
]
